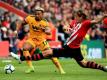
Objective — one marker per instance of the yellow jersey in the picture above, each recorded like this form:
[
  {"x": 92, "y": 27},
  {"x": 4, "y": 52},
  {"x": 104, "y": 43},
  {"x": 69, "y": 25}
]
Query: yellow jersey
[{"x": 36, "y": 33}]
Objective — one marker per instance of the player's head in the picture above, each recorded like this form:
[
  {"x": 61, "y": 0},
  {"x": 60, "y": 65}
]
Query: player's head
[
  {"x": 38, "y": 12},
  {"x": 80, "y": 16}
]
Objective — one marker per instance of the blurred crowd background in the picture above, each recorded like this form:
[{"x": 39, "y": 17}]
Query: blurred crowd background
[{"x": 56, "y": 11}]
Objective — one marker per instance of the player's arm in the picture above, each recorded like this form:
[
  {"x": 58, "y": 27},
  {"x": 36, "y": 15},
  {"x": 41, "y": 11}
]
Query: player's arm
[
  {"x": 67, "y": 29},
  {"x": 98, "y": 19},
  {"x": 47, "y": 30},
  {"x": 22, "y": 24}
]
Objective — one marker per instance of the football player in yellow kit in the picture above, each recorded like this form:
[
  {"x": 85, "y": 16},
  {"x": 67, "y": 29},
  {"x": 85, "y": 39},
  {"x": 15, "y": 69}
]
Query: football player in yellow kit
[{"x": 38, "y": 29}]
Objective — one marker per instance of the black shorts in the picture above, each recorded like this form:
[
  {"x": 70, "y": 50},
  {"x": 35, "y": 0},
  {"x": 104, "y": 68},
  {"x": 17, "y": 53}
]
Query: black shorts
[{"x": 68, "y": 52}]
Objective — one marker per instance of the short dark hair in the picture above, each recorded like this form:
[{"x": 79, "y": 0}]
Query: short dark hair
[{"x": 81, "y": 14}]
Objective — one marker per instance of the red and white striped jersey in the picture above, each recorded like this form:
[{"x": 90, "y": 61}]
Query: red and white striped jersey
[{"x": 78, "y": 34}]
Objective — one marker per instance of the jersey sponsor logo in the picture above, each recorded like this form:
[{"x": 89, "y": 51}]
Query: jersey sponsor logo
[
  {"x": 35, "y": 39},
  {"x": 35, "y": 28}
]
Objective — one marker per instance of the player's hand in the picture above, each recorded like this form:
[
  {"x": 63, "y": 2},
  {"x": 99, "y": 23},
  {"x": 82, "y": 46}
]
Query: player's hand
[
  {"x": 67, "y": 29},
  {"x": 47, "y": 30},
  {"x": 42, "y": 28}
]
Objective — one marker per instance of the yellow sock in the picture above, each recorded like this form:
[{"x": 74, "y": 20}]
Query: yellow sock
[
  {"x": 58, "y": 65},
  {"x": 29, "y": 62}
]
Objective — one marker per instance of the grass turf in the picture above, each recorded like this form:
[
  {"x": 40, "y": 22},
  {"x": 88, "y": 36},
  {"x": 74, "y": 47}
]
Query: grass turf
[{"x": 45, "y": 70}]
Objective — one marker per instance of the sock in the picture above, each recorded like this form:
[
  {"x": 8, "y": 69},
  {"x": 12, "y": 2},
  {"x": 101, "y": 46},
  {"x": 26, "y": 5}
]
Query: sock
[
  {"x": 38, "y": 56},
  {"x": 27, "y": 56},
  {"x": 94, "y": 65},
  {"x": 32, "y": 51},
  {"x": 34, "y": 57},
  {"x": 37, "y": 50},
  {"x": 57, "y": 64}
]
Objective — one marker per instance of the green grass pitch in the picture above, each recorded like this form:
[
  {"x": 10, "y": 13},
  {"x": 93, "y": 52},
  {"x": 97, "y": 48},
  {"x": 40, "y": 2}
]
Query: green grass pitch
[{"x": 45, "y": 70}]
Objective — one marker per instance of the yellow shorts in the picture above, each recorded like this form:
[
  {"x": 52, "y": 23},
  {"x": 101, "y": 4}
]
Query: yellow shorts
[{"x": 42, "y": 46}]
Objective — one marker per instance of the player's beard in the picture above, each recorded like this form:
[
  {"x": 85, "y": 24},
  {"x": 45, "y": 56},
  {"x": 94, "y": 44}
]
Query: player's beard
[{"x": 38, "y": 18}]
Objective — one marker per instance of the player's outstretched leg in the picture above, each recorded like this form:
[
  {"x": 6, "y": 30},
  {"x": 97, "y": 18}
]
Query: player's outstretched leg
[
  {"x": 34, "y": 57},
  {"x": 23, "y": 58},
  {"x": 29, "y": 62},
  {"x": 58, "y": 65},
  {"x": 92, "y": 65},
  {"x": 38, "y": 56}
]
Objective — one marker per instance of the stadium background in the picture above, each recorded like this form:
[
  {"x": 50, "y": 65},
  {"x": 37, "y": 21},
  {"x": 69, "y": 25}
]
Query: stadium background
[{"x": 57, "y": 12}]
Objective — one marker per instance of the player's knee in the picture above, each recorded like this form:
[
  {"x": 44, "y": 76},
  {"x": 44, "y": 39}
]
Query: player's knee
[
  {"x": 47, "y": 53},
  {"x": 50, "y": 52},
  {"x": 26, "y": 47}
]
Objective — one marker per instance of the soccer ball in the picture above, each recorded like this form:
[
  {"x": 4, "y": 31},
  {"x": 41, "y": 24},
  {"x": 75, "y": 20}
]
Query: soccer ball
[{"x": 9, "y": 69}]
